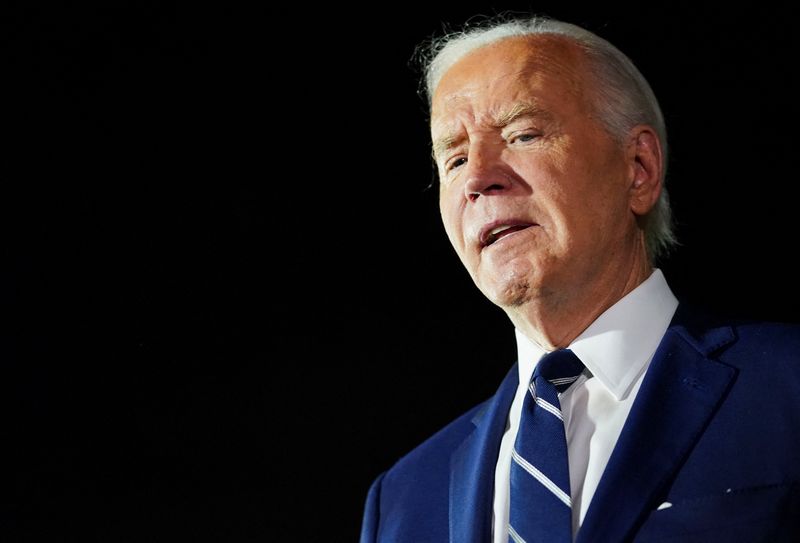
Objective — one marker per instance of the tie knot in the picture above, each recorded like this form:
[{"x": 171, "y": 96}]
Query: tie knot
[{"x": 561, "y": 368}]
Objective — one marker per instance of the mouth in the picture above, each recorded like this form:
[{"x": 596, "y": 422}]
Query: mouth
[{"x": 496, "y": 231}]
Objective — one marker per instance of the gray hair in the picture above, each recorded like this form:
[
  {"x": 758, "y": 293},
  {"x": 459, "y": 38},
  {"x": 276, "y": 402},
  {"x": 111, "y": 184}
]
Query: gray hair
[{"x": 624, "y": 98}]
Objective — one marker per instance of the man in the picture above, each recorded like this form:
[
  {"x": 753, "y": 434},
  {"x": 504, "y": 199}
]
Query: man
[{"x": 551, "y": 153}]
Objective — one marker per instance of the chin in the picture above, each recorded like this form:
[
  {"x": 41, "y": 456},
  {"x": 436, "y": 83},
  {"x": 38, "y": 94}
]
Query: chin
[
  {"x": 510, "y": 294},
  {"x": 513, "y": 286}
]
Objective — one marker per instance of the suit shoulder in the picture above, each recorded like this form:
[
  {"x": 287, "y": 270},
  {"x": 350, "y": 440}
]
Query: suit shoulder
[
  {"x": 404, "y": 499},
  {"x": 764, "y": 350},
  {"x": 779, "y": 335},
  {"x": 767, "y": 340},
  {"x": 440, "y": 445},
  {"x": 770, "y": 345},
  {"x": 758, "y": 350},
  {"x": 711, "y": 334}
]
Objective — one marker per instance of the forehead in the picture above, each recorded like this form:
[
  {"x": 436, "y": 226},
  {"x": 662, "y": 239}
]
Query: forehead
[{"x": 530, "y": 69}]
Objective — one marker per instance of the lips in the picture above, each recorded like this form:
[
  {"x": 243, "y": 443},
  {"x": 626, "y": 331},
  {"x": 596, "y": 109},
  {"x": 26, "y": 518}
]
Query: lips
[{"x": 496, "y": 230}]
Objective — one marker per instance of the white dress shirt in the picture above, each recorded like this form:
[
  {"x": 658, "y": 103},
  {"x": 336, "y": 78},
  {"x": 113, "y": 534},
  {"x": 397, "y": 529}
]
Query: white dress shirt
[{"x": 616, "y": 350}]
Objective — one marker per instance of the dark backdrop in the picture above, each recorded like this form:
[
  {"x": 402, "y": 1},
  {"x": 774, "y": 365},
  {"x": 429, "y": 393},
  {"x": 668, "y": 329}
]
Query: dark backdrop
[{"x": 227, "y": 300}]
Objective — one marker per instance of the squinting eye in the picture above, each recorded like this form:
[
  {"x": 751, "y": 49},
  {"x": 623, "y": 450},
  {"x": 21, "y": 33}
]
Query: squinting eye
[
  {"x": 523, "y": 138},
  {"x": 456, "y": 163}
]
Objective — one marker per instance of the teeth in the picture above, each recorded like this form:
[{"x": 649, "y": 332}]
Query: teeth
[{"x": 499, "y": 229}]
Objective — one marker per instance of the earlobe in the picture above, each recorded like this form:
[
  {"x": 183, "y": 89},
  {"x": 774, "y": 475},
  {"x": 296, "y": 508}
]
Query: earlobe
[{"x": 647, "y": 168}]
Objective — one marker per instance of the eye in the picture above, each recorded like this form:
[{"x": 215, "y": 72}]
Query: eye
[
  {"x": 455, "y": 163},
  {"x": 523, "y": 137}
]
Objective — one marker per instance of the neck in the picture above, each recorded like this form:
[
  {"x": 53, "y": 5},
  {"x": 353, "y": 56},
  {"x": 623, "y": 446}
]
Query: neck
[{"x": 555, "y": 320}]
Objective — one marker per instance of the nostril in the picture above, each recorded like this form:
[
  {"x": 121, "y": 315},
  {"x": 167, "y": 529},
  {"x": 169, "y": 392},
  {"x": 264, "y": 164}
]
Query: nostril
[
  {"x": 482, "y": 187},
  {"x": 489, "y": 189}
]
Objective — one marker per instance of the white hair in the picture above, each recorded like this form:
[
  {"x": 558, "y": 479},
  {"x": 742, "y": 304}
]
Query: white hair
[{"x": 624, "y": 99}]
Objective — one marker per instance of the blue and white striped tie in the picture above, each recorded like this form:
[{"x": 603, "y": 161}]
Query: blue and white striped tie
[{"x": 541, "y": 507}]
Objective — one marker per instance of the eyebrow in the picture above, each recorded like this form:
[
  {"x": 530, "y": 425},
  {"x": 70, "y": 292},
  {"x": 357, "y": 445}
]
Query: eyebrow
[
  {"x": 503, "y": 119},
  {"x": 519, "y": 110},
  {"x": 448, "y": 141}
]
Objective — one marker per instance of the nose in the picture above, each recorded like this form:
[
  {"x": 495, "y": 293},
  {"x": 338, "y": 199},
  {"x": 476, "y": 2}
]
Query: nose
[{"x": 485, "y": 173}]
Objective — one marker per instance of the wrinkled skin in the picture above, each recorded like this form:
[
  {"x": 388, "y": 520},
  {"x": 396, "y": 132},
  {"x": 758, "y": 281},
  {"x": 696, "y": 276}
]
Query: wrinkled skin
[{"x": 517, "y": 143}]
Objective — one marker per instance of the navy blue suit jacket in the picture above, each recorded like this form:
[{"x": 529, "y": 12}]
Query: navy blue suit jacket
[{"x": 714, "y": 430}]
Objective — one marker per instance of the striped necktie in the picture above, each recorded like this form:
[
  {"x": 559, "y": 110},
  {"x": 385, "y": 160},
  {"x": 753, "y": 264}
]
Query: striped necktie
[{"x": 541, "y": 507}]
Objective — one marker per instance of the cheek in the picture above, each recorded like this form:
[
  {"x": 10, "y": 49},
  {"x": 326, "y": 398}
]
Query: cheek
[{"x": 451, "y": 218}]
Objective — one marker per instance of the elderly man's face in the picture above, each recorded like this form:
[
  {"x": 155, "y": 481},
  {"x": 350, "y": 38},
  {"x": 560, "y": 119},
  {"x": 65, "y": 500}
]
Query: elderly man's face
[{"x": 534, "y": 192}]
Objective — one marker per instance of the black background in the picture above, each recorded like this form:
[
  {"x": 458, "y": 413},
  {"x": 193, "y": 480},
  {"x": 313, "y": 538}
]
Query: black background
[{"x": 228, "y": 302}]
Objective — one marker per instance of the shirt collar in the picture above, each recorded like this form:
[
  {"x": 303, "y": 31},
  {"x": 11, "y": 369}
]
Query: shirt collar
[{"x": 618, "y": 346}]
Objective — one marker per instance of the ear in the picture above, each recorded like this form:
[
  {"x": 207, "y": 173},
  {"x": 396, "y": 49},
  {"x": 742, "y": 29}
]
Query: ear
[{"x": 646, "y": 166}]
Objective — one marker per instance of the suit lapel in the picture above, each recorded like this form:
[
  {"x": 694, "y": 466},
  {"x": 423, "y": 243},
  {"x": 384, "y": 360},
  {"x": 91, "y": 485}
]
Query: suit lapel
[
  {"x": 678, "y": 397},
  {"x": 472, "y": 468}
]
